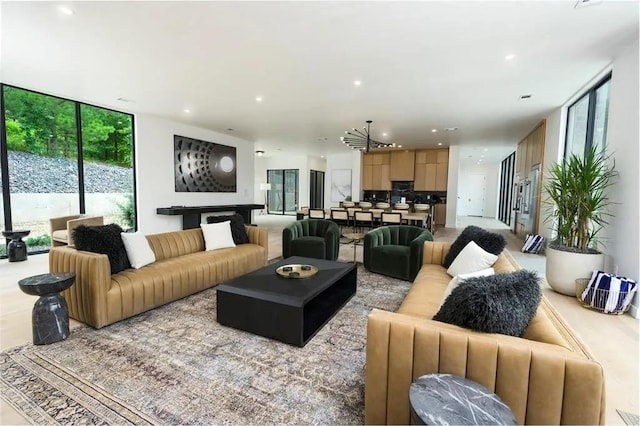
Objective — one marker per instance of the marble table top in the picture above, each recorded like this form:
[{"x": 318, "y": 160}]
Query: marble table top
[
  {"x": 43, "y": 284},
  {"x": 445, "y": 399}
]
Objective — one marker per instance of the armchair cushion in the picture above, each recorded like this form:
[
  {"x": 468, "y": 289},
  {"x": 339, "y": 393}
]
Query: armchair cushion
[
  {"x": 317, "y": 238},
  {"x": 395, "y": 250},
  {"x": 105, "y": 239}
]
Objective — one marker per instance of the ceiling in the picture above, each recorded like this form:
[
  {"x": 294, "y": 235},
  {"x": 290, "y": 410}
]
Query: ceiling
[{"x": 422, "y": 65}]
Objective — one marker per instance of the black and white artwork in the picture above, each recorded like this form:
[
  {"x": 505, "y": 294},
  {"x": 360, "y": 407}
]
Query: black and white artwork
[
  {"x": 340, "y": 184},
  {"x": 203, "y": 166}
]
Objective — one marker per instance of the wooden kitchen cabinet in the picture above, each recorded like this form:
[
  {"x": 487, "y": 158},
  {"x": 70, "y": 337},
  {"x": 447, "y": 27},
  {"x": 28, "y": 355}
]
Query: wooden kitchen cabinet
[
  {"x": 442, "y": 173},
  {"x": 367, "y": 177},
  {"x": 442, "y": 156},
  {"x": 421, "y": 157},
  {"x": 441, "y": 214},
  {"x": 402, "y": 165}
]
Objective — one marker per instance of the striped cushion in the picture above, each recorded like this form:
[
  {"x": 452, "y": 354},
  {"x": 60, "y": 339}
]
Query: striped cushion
[
  {"x": 609, "y": 293},
  {"x": 532, "y": 243}
]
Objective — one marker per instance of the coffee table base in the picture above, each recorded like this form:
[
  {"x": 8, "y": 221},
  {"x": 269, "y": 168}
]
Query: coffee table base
[{"x": 289, "y": 324}]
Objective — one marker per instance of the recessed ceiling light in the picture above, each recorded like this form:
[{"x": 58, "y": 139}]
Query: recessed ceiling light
[
  {"x": 434, "y": 130},
  {"x": 259, "y": 153},
  {"x": 509, "y": 57},
  {"x": 439, "y": 143},
  {"x": 258, "y": 98},
  {"x": 486, "y": 149},
  {"x": 229, "y": 129},
  {"x": 187, "y": 110},
  {"x": 66, "y": 10},
  {"x": 526, "y": 96},
  {"x": 384, "y": 134},
  {"x": 357, "y": 82},
  {"x": 322, "y": 156},
  {"x": 450, "y": 129},
  {"x": 399, "y": 146},
  {"x": 125, "y": 100}
]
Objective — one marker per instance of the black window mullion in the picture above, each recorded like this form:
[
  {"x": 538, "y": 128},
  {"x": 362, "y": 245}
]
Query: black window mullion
[
  {"x": 4, "y": 163},
  {"x": 591, "y": 118},
  {"x": 79, "y": 155}
]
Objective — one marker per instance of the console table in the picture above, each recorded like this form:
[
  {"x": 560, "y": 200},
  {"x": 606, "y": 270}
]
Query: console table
[{"x": 191, "y": 215}]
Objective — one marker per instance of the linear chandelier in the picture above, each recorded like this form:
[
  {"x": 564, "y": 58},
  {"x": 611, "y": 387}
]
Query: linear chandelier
[{"x": 361, "y": 140}]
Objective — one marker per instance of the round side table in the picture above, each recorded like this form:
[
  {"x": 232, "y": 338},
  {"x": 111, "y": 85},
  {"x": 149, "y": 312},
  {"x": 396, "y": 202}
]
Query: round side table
[
  {"x": 50, "y": 317},
  {"x": 16, "y": 249},
  {"x": 445, "y": 399}
]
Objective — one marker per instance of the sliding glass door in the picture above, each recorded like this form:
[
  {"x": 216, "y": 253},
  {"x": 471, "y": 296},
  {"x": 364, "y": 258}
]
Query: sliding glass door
[{"x": 283, "y": 195}]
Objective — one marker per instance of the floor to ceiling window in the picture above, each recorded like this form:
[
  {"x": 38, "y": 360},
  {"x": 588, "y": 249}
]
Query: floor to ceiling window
[
  {"x": 60, "y": 158},
  {"x": 283, "y": 195},
  {"x": 587, "y": 120}
]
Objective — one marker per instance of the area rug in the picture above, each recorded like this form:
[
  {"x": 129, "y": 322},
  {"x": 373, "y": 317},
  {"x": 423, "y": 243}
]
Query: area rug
[
  {"x": 176, "y": 364},
  {"x": 628, "y": 418}
]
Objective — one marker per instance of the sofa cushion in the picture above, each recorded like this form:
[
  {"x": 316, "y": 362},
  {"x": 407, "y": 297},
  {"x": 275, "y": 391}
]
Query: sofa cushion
[
  {"x": 217, "y": 235},
  {"x": 455, "y": 281},
  {"x": 104, "y": 239},
  {"x": 138, "y": 249},
  {"x": 471, "y": 259},
  {"x": 309, "y": 246},
  {"x": 489, "y": 241},
  {"x": 238, "y": 231},
  {"x": 503, "y": 303}
]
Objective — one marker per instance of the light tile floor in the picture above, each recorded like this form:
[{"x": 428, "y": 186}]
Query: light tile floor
[{"x": 613, "y": 339}]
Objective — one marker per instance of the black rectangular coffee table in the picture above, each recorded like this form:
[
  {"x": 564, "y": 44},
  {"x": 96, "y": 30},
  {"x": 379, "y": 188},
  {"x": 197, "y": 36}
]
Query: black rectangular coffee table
[{"x": 290, "y": 310}]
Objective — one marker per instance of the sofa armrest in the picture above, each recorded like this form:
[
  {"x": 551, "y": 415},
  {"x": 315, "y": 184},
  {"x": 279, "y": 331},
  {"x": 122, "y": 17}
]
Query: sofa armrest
[
  {"x": 434, "y": 252},
  {"x": 87, "y": 297},
  {"x": 259, "y": 235},
  {"x": 541, "y": 383}
]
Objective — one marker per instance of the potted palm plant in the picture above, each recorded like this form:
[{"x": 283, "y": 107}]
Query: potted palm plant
[{"x": 578, "y": 206}]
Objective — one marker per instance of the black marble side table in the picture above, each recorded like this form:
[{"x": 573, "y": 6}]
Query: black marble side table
[
  {"x": 50, "y": 317},
  {"x": 16, "y": 249},
  {"x": 445, "y": 399}
]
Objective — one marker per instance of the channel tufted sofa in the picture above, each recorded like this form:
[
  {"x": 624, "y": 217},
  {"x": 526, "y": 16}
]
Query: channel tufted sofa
[
  {"x": 182, "y": 268},
  {"x": 547, "y": 376}
]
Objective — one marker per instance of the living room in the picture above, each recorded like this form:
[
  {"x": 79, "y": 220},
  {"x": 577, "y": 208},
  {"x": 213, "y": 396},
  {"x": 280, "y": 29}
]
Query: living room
[{"x": 286, "y": 80}]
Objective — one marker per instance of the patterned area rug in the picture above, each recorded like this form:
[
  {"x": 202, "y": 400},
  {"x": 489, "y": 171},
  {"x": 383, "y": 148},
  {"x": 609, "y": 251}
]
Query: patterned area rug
[{"x": 176, "y": 364}]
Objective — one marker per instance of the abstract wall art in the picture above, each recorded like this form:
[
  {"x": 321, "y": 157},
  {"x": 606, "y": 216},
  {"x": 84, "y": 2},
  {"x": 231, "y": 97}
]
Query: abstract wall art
[
  {"x": 340, "y": 184},
  {"x": 203, "y": 166}
]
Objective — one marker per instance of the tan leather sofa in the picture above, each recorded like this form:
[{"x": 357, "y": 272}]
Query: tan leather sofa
[
  {"x": 182, "y": 268},
  {"x": 547, "y": 376}
]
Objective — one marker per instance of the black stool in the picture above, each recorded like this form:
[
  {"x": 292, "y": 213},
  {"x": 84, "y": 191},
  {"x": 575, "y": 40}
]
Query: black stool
[
  {"x": 16, "y": 249},
  {"x": 445, "y": 399},
  {"x": 50, "y": 317}
]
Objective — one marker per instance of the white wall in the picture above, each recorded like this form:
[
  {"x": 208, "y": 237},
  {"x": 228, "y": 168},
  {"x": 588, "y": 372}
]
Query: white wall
[
  {"x": 155, "y": 176},
  {"x": 348, "y": 160},
  {"x": 553, "y": 152},
  {"x": 452, "y": 187},
  {"x": 466, "y": 174},
  {"x": 622, "y": 235}
]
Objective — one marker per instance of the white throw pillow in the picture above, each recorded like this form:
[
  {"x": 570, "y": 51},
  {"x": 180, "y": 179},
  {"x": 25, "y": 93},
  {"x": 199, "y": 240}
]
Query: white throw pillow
[
  {"x": 472, "y": 258},
  {"x": 138, "y": 249},
  {"x": 217, "y": 235},
  {"x": 455, "y": 281}
]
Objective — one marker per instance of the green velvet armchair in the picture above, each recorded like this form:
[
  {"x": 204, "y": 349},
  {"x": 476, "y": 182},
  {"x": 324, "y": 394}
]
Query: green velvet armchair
[
  {"x": 317, "y": 238},
  {"x": 395, "y": 250}
]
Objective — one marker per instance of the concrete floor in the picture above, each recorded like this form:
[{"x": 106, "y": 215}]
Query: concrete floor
[{"x": 613, "y": 339}]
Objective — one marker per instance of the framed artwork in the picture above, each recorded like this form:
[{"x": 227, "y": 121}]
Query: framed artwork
[
  {"x": 202, "y": 166},
  {"x": 340, "y": 184}
]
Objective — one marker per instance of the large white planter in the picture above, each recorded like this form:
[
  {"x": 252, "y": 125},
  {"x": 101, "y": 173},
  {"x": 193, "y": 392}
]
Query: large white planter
[{"x": 563, "y": 267}]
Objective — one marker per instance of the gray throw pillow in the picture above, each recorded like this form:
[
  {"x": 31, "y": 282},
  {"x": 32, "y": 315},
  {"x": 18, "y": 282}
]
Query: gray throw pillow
[
  {"x": 502, "y": 303},
  {"x": 488, "y": 241}
]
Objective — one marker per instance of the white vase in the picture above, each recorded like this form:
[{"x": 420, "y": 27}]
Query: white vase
[{"x": 564, "y": 267}]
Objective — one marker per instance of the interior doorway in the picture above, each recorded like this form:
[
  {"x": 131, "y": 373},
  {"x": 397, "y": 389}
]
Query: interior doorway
[
  {"x": 474, "y": 194},
  {"x": 316, "y": 189}
]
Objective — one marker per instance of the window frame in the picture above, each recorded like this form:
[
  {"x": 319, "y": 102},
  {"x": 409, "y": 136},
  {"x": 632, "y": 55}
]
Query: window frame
[
  {"x": 591, "y": 115},
  {"x": 4, "y": 156}
]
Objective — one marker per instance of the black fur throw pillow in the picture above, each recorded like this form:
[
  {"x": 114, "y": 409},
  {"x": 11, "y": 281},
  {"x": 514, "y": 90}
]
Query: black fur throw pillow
[
  {"x": 488, "y": 241},
  {"x": 502, "y": 303},
  {"x": 104, "y": 239},
  {"x": 238, "y": 232}
]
